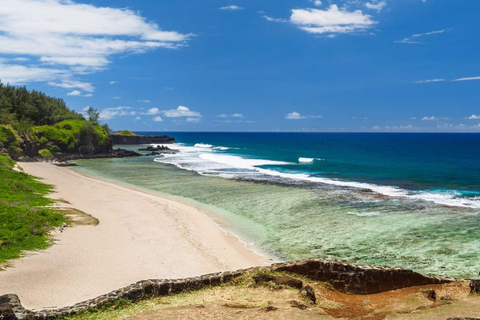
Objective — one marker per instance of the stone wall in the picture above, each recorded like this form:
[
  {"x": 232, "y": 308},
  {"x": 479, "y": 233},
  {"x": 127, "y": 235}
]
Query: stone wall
[{"x": 344, "y": 277}]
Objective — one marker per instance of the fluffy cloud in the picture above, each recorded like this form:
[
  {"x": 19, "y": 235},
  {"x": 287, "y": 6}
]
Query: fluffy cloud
[
  {"x": 432, "y": 118},
  {"x": 157, "y": 119},
  {"x": 153, "y": 111},
  {"x": 294, "y": 116},
  {"x": 316, "y": 2},
  {"x": 332, "y": 21},
  {"x": 110, "y": 113},
  {"x": 474, "y": 117},
  {"x": 145, "y": 101},
  {"x": 181, "y": 111},
  {"x": 64, "y": 39}
]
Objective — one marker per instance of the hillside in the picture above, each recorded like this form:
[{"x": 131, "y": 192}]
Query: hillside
[{"x": 33, "y": 124}]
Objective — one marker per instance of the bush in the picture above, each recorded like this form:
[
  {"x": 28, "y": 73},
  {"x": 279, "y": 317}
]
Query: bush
[
  {"x": 6, "y": 135},
  {"x": 45, "y": 153}
]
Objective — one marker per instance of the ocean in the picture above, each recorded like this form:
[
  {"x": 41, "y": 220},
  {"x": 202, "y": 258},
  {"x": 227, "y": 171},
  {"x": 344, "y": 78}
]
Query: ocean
[{"x": 409, "y": 200}]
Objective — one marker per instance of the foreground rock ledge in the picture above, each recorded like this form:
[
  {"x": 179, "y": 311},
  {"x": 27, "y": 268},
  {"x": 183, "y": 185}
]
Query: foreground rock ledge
[{"x": 342, "y": 276}]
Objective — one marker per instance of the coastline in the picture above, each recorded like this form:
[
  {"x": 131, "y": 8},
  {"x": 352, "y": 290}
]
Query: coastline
[{"x": 141, "y": 235}]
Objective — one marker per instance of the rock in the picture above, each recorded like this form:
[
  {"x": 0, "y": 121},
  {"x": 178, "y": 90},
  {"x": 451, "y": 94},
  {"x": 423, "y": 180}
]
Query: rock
[
  {"x": 309, "y": 293},
  {"x": 269, "y": 308},
  {"x": 296, "y": 304},
  {"x": 280, "y": 280},
  {"x": 6, "y": 313},
  {"x": 155, "y": 148},
  {"x": 11, "y": 308},
  {"x": 259, "y": 278},
  {"x": 475, "y": 286},
  {"x": 430, "y": 294}
]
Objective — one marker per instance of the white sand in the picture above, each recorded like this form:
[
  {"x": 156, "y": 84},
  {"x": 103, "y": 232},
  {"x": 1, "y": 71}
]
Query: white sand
[{"x": 140, "y": 236}]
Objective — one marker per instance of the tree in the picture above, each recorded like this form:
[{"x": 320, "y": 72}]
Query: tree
[{"x": 93, "y": 115}]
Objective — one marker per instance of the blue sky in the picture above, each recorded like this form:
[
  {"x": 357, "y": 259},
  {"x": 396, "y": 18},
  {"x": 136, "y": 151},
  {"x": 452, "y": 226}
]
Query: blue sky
[{"x": 244, "y": 65}]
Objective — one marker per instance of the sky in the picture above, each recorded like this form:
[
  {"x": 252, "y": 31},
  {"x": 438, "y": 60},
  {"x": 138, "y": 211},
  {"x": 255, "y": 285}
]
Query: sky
[{"x": 249, "y": 65}]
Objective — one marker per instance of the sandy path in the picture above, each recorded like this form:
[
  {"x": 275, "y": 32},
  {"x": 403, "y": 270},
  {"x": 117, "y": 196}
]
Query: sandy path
[{"x": 140, "y": 236}]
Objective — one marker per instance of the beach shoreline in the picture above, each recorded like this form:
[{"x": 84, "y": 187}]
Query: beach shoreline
[{"x": 141, "y": 235}]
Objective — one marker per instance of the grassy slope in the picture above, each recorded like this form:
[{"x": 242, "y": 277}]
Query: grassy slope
[{"x": 25, "y": 221}]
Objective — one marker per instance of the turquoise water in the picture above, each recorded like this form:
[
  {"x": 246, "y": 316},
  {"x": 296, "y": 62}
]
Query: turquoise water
[{"x": 403, "y": 200}]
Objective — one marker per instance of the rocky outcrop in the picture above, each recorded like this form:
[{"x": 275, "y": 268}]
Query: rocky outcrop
[
  {"x": 344, "y": 277},
  {"x": 138, "y": 139}
]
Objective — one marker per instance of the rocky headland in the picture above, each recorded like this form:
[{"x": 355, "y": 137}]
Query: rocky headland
[{"x": 128, "y": 137}]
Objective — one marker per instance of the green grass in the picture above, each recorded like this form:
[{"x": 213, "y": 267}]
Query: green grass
[
  {"x": 126, "y": 133},
  {"x": 25, "y": 221},
  {"x": 6, "y": 135}
]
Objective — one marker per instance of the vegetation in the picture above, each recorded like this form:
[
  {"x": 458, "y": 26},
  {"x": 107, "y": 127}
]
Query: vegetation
[
  {"x": 33, "y": 124},
  {"x": 25, "y": 219},
  {"x": 17, "y": 104},
  {"x": 125, "y": 133}
]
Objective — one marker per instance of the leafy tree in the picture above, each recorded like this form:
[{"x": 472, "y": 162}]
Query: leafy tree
[{"x": 93, "y": 115}]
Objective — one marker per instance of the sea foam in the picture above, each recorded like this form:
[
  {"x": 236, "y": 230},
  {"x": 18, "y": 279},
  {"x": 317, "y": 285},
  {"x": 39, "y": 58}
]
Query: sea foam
[{"x": 207, "y": 159}]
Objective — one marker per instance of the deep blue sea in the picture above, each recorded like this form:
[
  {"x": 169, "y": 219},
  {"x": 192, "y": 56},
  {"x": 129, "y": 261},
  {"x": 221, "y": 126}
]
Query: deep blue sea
[{"x": 408, "y": 200}]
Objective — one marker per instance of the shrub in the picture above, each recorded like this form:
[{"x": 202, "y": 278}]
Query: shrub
[{"x": 45, "y": 153}]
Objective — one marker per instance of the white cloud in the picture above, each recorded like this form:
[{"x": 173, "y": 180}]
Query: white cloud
[
  {"x": 181, "y": 111},
  {"x": 114, "y": 82},
  {"x": 430, "y": 80},
  {"x": 297, "y": 116},
  {"x": 145, "y": 101},
  {"x": 376, "y": 5},
  {"x": 432, "y": 118},
  {"x": 223, "y": 115},
  {"x": 75, "y": 93},
  {"x": 64, "y": 39},
  {"x": 110, "y": 113},
  {"x": 116, "y": 98},
  {"x": 231, "y": 8},
  {"x": 474, "y": 117},
  {"x": 316, "y": 2},
  {"x": 274, "y": 19},
  {"x": 294, "y": 116},
  {"x": 193, "y": 120},
  {"x": 467, "y": 79},
  {"x": 410, "y": 40},
  {"x": 237, "y": 115},
  {"x": 72, "y": 84},
  {"x": 157, "y": 119},
  {"x": 334, "y": 20},
  {"x": 18, "y": 74},
  {"x": 153, "y": 111}
]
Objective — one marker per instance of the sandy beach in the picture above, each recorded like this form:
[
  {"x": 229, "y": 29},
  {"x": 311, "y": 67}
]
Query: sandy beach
[{"x": 140, "y": 236}]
